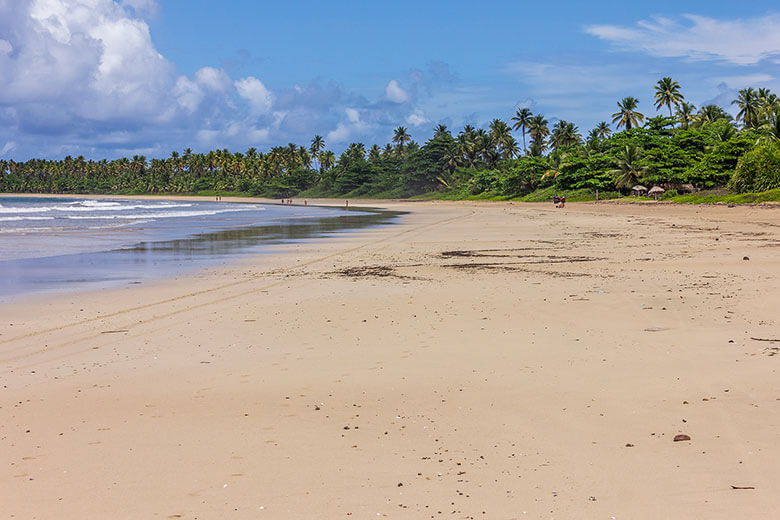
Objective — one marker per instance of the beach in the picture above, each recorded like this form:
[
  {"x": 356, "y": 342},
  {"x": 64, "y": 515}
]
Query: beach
[{"x": 474, "y": 360}]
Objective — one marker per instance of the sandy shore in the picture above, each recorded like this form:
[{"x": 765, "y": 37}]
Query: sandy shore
[{"x": 474, "y": 361}]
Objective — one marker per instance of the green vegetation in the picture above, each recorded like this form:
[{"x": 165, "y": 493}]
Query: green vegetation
[{"x": 696, "y": 155}]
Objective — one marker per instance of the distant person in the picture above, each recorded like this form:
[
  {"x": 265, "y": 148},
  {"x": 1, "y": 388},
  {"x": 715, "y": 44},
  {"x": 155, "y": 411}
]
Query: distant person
[
  {"x": 556, "y": 200},
  {"x": 346, "y": 204},
  {"x": 563, "y": 201}
]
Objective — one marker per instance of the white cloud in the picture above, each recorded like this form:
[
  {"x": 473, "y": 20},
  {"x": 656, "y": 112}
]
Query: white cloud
[
  {"x": 188, "y": 94},
  {"x": 339, "y": 135},
  {"x": 347, "y": 130},
  {"x": 8, "y": 147},
  {"x": 743, "y": 80},
  {"x": 395, "y": 93},
  {"x": 416, "y": 118},
  {"x": 213, "y": 79},
  {"x": 259, "y": 97},
  {"x": 558, "y": 78},
  {"x": 84, "y": 77},
  {"x": 744, "y": 41},
  {"x": 353, "y": 116}
]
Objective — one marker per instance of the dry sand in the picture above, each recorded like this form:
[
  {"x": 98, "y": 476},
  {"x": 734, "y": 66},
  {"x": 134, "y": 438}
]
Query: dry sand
[{"x": 474, "y": 361}]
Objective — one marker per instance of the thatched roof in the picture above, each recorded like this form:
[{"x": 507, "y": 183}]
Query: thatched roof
[
  {"x": 656, "y": 189},
  {"x": 638, "y": 187}
]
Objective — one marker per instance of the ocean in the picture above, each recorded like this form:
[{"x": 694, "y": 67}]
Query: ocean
[{"x": 70, "y": 244}]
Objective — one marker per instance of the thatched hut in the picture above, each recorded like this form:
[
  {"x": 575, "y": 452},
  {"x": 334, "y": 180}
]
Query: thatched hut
[
  {"x": 638, "y": 190},
  {"x": 656, "y": 192}
]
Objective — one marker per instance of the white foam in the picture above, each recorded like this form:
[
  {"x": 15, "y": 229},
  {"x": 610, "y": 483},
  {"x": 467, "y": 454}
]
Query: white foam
[
  {"x": 171, "y": 214},
  {"x": 4, "y": 210},
  {"x": 18, "y": 218}
]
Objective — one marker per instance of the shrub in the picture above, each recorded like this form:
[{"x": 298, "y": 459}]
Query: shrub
[{"x": 758, "y": 170}]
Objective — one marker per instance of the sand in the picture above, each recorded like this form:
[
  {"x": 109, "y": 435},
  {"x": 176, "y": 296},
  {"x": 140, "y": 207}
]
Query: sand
[{"x": 488, "y": 360}]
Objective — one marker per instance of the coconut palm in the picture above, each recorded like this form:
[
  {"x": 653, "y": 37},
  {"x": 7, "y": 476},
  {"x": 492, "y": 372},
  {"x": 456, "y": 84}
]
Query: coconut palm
[
  {"x": 440, "y": 130},
  {"x": 401, "y": 137},
  {"x": 593, "y": 142},
  {"x": 564, "y": 134},
  {"x": 627, "y": 115},
  {"x": 326, "y": 159},
  {"x": 685, "y": 114},
  {"x": 667, "y": 92},
  {"x": 375, "y": 153},
  {"x": 317, "y": 144},
  {"x": 627, "y": 168},
  {"x": 502, "y": 140},
  {"x": 603, "y": 130},
  {"x": 770, "y": 130},
  {"x": 709, "y": 114},
  {"x": 748, "y": 103},
  {"x": 768, "y": 105},
  {"x": 522, "y": 119},
  {"x": 538, "y": 130}
]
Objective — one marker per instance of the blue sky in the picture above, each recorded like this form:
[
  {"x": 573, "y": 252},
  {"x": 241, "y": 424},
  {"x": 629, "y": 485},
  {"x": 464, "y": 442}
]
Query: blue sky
[{"x": 107, "y": 78}]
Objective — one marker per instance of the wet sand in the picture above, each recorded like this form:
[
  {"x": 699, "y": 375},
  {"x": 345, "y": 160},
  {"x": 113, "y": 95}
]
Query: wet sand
[{"x": 488, "y": 360}]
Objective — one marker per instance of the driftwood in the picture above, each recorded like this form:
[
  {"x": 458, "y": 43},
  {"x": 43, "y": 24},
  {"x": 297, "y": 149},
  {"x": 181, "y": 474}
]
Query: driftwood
[{"x": 765, "y": 339}]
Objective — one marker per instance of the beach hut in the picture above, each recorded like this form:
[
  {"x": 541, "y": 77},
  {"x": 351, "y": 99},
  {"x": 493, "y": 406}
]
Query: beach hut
[
  {"x": 656, "y": 191},
  {"x": 638, "y": 190}
]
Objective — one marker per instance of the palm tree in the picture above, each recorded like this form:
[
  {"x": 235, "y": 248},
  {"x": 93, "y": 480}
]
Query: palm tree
[
  {"x": 628, "y": 171},
  {"x": 627, "y": 115},
  {"x": 401, "y": 137},
  {"x": 771, "y": 128},
  {"x": 768, "y": 105},
  {"x": 537, "y": 128},
  {"x": 317, "y": 144},
  {"x": 685, "y": 114},
  {"x": 564, "y": 134},
  {"x": 375, "y": 153},
  {"x": 748, "y": 103},
  {"x": 502, "y": 139},
  {"x": 603, "y": 130},
  {"x": 710, "y": 114},
  {"x": 326, "y": 159},
  {"x": 593, "y": 141},
  {"x": 522, "y": 119},
  {"x": 667, "y": 92},
  {"x": 440, "y": 130}
]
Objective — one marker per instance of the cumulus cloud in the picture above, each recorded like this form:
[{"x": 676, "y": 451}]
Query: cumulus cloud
[
  {"x": 216, "y": 80},
  {"x": 259, "y": 97},
  {"x": 348, "y": 128},
  {"x": 84, "y": 77},
  {"x": 88, "y": 72},
  {"x": 395, "y": 93},
  {"x": 417, "y": 118},
  {"x": 745, "y": 41}
]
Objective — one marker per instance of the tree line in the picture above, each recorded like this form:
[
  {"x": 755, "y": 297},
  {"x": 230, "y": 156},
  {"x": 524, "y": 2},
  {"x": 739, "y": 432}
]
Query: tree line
[{"x": 689, "y": 149}]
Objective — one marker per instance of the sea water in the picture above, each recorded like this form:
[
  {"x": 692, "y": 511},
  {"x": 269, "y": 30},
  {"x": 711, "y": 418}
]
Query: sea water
[{"x": 64, "y": 244}]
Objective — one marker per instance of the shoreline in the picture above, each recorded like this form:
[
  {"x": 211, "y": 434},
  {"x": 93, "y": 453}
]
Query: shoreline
[{"x": 491, "y": 358}]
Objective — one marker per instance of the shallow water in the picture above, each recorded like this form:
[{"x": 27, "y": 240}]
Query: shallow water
[{"x": 130, "y": 241}]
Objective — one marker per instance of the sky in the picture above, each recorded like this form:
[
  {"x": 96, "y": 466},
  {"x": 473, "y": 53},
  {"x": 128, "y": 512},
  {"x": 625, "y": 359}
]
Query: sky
[{"x": 113, "y": 78}]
